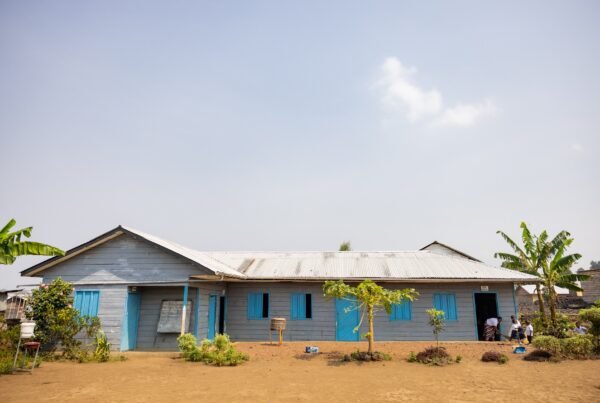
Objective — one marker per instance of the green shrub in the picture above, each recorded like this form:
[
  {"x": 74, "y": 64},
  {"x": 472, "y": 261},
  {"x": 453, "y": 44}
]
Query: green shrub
[
  {"x": 458, "y": 359},
  {"x": 102, "y": 353},
  {"x": 57, "y": 323},
  {"x": 186, "y": 344},
  {"x": 548, "y": 343},
  {"x": 592, "y": 315},
  {"x": 503, "y": 359},
  {"x": 5, "y": 366},
  {"x": 579, "y": 346},
  {"x": 545, "y": 328},
  {"x": 219, "y": 352},
  {"x": 412, "y": 357}
]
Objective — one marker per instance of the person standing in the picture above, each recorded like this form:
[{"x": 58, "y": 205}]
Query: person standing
[
  {"x": 529, "y": 331},
  {"x": 515, "y": 329},
  {"x": 490, "y": 328}
]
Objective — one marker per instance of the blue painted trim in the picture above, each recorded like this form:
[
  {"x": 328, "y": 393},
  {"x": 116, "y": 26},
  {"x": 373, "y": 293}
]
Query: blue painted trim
[
  {"x": 225, "y": 313},
  {"x": 394, "y": 318},
  {"x": 125, "y": 326},
  {"x": 212, "y": 312},
  {"x": 197, "y": 316},
  {"x": 304, "y": 294},
  {"x": 475, "y": 309}
]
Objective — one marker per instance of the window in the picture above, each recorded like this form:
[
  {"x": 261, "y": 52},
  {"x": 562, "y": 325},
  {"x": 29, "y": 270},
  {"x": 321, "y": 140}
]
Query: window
[
  {"x": 258, "y": 305},
  {"x": 402, "y": 311},
  {"x": 86, "y": 302},
  {"x": 301, "y": 306},
  {"x": 446, "y": 303}
]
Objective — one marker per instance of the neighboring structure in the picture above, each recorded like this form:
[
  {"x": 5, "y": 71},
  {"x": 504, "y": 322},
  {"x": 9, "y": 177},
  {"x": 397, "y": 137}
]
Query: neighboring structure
[
  {"x": 4, "y": 295},
  {"x": 12, "y": 304},
  {"x": 142, "y": 286},
  {"x": 591, "y": 287}
]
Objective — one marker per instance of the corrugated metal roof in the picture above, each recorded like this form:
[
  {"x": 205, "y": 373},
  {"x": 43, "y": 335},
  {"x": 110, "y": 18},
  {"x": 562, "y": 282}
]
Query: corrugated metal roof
[
  {"x": 392, "y": 265},
  {"x": 377, "y": 265}
]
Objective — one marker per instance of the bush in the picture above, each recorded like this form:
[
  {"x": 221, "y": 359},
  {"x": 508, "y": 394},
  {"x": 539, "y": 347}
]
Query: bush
[
  {"x": 547, "y": 329},
  {"x": 548, "y": 343},
  {"x": 102, "y": 353},
  {"x": 577, "y": 347},
  {"x": 186, "y": 344},
  {"x": 458, "y": 359},
  {"x": 434, "y": 356},
  {"x": 219, "y": 352},
  {"x": 365, "y": 356},
  {"x": 494, "y": 356},
  {"x": 412, "y": 357},
  {"x": 57, "y": 323},
  {"x": 592, "y": 315}
]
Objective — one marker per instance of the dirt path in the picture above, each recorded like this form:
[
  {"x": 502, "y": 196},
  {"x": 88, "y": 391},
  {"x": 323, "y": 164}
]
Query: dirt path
[{"x": 286, "y": 374}]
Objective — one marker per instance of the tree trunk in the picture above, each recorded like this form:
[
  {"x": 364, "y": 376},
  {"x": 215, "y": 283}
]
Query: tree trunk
[
  {"x": 538, "y": 289},
  {"x": 371, "y": 337},
  {"x": 552, "y": 303}
]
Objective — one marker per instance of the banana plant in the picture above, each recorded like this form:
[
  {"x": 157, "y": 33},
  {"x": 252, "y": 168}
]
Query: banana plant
[{"x": 11, "y": 245}]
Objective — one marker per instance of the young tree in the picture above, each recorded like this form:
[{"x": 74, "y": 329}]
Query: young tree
[
  {"x": 11, "y": 245},
  {"x": 345, "y": 246},
  {"x": 368, "y": 298},
  {"x": 436, "y": 321}
]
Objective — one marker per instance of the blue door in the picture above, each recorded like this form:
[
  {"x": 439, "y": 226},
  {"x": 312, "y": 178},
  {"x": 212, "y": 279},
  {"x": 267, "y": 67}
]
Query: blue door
[
  {"x": 132, "y": 316},
  {"x": 346, "y": 321},
  {"x": 212, "y": 316}
]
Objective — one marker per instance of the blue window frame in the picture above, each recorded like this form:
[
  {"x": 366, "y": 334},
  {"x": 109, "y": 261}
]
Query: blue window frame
[
  {"x": 402, "y": 311},
  {"x": 86, "y": 302},
  {"x": 258, "y": 305},
  {"x": 301, "y": 306},
  {"x": 446, "y": 303}
]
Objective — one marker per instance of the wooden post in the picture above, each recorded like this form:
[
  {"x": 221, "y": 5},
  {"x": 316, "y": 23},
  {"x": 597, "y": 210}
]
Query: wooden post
[
  {"x": 185, "y": 298},
  {"x": 280, "y": 337}
]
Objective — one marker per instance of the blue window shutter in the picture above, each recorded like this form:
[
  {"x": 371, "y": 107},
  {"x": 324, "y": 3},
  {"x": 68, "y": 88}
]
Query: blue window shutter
[
  {"x": 86, "y": 302},
  {"x": 255, "y": 305},
  {"x": 402, "y": 311},
  {"x": 451, "y": 307},
  {"x": 446, "y": 303},
  {"x": 298, "y": 306}
]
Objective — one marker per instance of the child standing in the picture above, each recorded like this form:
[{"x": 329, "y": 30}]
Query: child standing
[{"x": 529, "y": 331}]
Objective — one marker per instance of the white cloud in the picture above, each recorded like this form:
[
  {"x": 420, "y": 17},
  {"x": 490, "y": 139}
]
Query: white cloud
[
  {"x": 400, "y": 93},
  {"x": 466, "y": 114}
]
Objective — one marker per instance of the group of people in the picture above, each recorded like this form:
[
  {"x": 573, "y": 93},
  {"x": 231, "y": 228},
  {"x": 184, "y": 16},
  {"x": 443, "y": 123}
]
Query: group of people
[{"x": 491, "y": 329}]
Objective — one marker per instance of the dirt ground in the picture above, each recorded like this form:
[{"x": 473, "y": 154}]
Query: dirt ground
[{"x": 285, "y": 373}]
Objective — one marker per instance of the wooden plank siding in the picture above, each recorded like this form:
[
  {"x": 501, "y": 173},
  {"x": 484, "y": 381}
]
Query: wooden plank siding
[{"x": 322, "y": 325}]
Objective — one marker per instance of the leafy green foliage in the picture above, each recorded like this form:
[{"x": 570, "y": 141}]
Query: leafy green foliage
[
  {"x": 186, "y": 344},
  {"x": 102, "y": 352},
  {"x": 458, "y": 359},
  {"x": 345, "y": 246},
  {"x": 368, "y": 297},
  {"x": 58, "y": 323},
  {"x": 550, "y": 344},
  {"x": 11, "y": 245},
  {"x": 545, "y": 259},
  {"x": 559, "y": 328},
  {"x": 592, "y": 315},
  {"x": 412, "y": 357},
  {"x": 218, "y": 352},
  {"x": 436, "y": 321},
  {"x": 580, "y": 346}
]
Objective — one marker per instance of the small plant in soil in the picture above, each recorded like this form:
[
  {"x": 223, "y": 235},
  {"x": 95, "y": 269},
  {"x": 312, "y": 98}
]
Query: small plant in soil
[
  {"x": 412, "y": 357},
  {"x": 494, "y": 356},
  {"x": 436, "y": 355},
  {"x": 366, "y": 356},
  {"x": 218, "y": 352}
]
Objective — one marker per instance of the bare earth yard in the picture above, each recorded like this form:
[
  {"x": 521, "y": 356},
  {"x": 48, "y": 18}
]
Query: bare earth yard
[{"x": 287, "y": 374}]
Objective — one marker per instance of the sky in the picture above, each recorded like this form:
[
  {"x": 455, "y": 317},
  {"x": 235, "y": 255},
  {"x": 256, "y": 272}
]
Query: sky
[{"x": 266, "y": 125}]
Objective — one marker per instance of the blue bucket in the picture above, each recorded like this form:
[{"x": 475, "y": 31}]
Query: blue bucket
[{"x": 519, "y": 350}]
